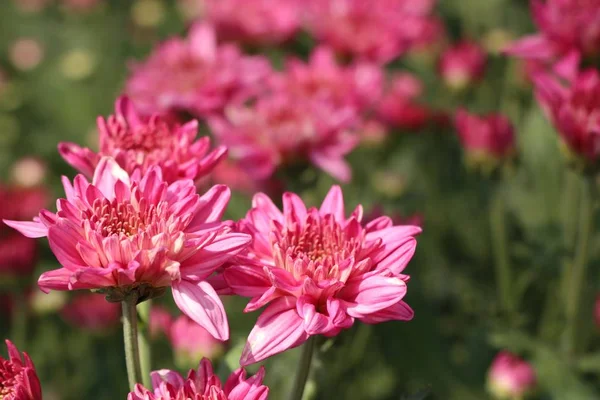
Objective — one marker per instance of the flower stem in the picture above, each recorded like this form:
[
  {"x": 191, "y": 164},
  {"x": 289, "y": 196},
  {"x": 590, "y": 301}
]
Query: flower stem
[
  {"x": 500, "y": 250},
  {"x": 303, "y": 369},
  {"x": 144, "y": 341},
  {"x": 576, "y": 277},
  {"x": 130, "y": 335}
]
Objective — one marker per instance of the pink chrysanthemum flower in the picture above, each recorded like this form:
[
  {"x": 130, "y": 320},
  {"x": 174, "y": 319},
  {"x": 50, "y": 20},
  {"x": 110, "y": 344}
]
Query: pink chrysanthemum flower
[
  {"x": 202, "y": 384},
  {"x": 136, "y": 142},
  {"x": 370, "y": 30},
  {"x": 485, "y": 137},
  {"x": 91, "y": 312},
  {"x": 319, "y": 271},
  {"x": 280, "y": 130},
  {"x": 510, "y": 377},
  {"x": 191, "y": 342},
  {"x": 195, "y": 75},
  {"x": 400, "y": 108},
  {"x": 462, "y": 64},
  {"x": 254, "y": 22},
  {"x": 120, "y": 235},
  {"x": 18, "y": 379}
]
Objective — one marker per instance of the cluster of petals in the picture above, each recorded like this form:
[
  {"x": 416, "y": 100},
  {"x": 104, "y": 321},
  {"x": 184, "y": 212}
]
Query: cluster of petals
[
  {"x": 256, "y": 21},
  {"x": 139, "y": 142},
  {"x": 196, "y": 75},
  {"x": 462, "y": 64},
  {"x": 317, "y": 271},
  {"x": 565, "y": 26},
  {"x": 399, "y": 107},
  {"x": 489, "y": 136},
  {"x": 370, "y": 30},
  {"x": 574, "y": 110},
  {"x": 18, "y": 378},
  {"x": 91, "y": 312},
  {"x": 510, "y": 377},
  {"x": 202, "y": 384},
  {"x": 120, "y": 232}
]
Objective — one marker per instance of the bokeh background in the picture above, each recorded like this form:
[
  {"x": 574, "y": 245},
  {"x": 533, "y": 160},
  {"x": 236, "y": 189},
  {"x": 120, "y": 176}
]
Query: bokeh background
[{"x": 64, "y": 62}]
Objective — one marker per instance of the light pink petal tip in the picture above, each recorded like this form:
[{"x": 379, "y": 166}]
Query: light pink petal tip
[{"x": 31, "y": 229}]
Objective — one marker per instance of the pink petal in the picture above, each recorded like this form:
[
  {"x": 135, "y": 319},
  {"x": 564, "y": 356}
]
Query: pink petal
[
  {"x": 82, "y": 159},
  {"x": 166, "y": 375},
  {"x": 397, "y": 312},
  {"x": 30, "y": 229},
  {"x": 247, "y": 281},
  {"x": 293, "y": 207},
  {"x": 212, "y": 208},
  {"x": 266, "y": 205},
  {"x": 334, "y": 166},
  {"x": 107, "y": 173},
  {"x": 531, "y": 47},
  {"x": 57, "y": 279},
  {"x": 278, "y": 328},
  {"x": 200, "y": 302},
  {"x": 63, "y": 238},
  {"x": 314, "y": 322},
  {"x": 334, "y": 204},
  {"x": 203, "y": 42},
  {"x": 395, "y": 255},
  {"x": 371, "y": 294}
]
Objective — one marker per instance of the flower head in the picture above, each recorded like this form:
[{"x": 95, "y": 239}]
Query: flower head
[
  {"x": 192, "y": 342},
  {"x": 575, "y": 111},
  {"x": 202, "y": 384},
  {"x": 195, "y": 75},
  {"x": 255, "y": 22},
  {"x": 399, "y": 106},
  {"x": 510, "y": 377},
  {"x": 123, "y": 235},
  {"x": 18, "y": 379},
  {"x": 91, "y": 312},
  {"x": 462, "y": 64},
  {"x": 318, "y": 271},
  {"x": 137, "y": 142}
]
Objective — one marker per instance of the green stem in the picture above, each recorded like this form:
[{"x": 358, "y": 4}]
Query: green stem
[
  {"x": 144, "y": 341},
  {"x": 18, "y": 323},
  {"x": 130, "y": 335},
  {"x": 303, "y": 369},
  {"x": 500, "y": 250},
  {"x": 576, "y": 277}
]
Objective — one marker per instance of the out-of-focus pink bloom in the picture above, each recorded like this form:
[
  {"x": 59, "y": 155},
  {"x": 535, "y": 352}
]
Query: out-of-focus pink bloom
[
  {"x": 462, "y": 64},
  {"x": 26, "y": 53},
  {"x": 399, "y": 107},
  {"x": 358, "y": 85},
  {"x": 18, "y": 254},
  {"x": 231, "y": 173},
  {"x": 486, "y": 137},
  {"x": 319, "y": 271},
  {"x": 574, "y": 111},
  {"x": 121, "y": 234},
  {"x": 160, "y": 321},
  {"x": 202, "y": 384},
  {"x": 281, "y": 130},
  {"x": 136, "y": 142},
  {"x": 510, "y": 377},
  {"x": 565, "y": 26},
  {"x": 191, "y": 342},
  {"x": 370, "y": 30},
  {"x": 195, "y": 75},
  {"x": 18, "y": 379},
  {"x": 372, "y": 132},
  {"x": 254, "y": 22},
  {"x": 377, "y": 211},
  {"x": 90, "y": 311},
  {"x": 29, "y": 172}
]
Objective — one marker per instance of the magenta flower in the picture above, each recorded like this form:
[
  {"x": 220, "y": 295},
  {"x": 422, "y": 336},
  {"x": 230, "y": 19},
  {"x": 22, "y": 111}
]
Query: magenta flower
[
  {"x": 192, "y": 342},
  {"x": 18, "y": 379},
  {"x": 91, "y": 312},
  {"x": 160, "y": 321},
  {"x": 370, "y": 30},
  {"x": 462, "y": 64},
  {"x": 120, "y": 235},
  {"x": 195, "y": 75},
  {"x": 280, "y": 130},
  {"x": 254, "y": 22},
  {"x": 138, "y": 142},
  {"x": 574, "y": 111},
  {"x": 400, "y": 107},
  {"x": 489, "y": 137},
  {"x": 317, "y": 271},
  {"x": 202, "y": 384},
  {"x": 565, "y": 26},
  {"x": 510, "y": 377}
]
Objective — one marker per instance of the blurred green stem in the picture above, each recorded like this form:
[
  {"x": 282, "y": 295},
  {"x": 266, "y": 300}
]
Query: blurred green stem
[
  {"x": 303, "y": 369},
  {"x": 130, "y": 335},
  {"x": 18, "y": 322},
  {"x": 500, "y": 249},
  {"x": 144, "y": 341},
  {"x": 576, "y": 276}
]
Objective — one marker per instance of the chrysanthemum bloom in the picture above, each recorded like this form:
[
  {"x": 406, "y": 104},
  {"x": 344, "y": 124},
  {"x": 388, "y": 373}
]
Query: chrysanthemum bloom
[
  {"x": 202, "y": 384},
  {"x": 487, "y": 140},
  {"x": 564, "y": 26},
  {"x": 18, "y": 254},
  {"x": 399, "y": 107},
  {"x": 195, "y": 75},
  {"x": 318, "y": 271},
  {"x": 137, "y": 142},
  {"x": 160, "y": 321},
  {"x": 91, "y": 312},
  {"x": 462, "y": 64},
  {"x": 254, "y": 22},
  {"x": 369, "y": 30},
  {"x": 574, "y": 111},
  {"x": 358, "y": 85},
  {"x": 192, "y": 342},
  {"x": 510, "y": 377},
  {"x": 280, "y": 130},
  {"x": 18, "y": 379},
  {"x": 124, "y": 236}
]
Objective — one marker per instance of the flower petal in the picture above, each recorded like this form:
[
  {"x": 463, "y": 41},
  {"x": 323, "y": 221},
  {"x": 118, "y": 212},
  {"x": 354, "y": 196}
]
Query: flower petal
[
  {"x": 397, "y": 312},
  {"x": 31, "y": 229},
  {"x": 371, "y": 294},
  {"x": 334, "y": 204}
]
